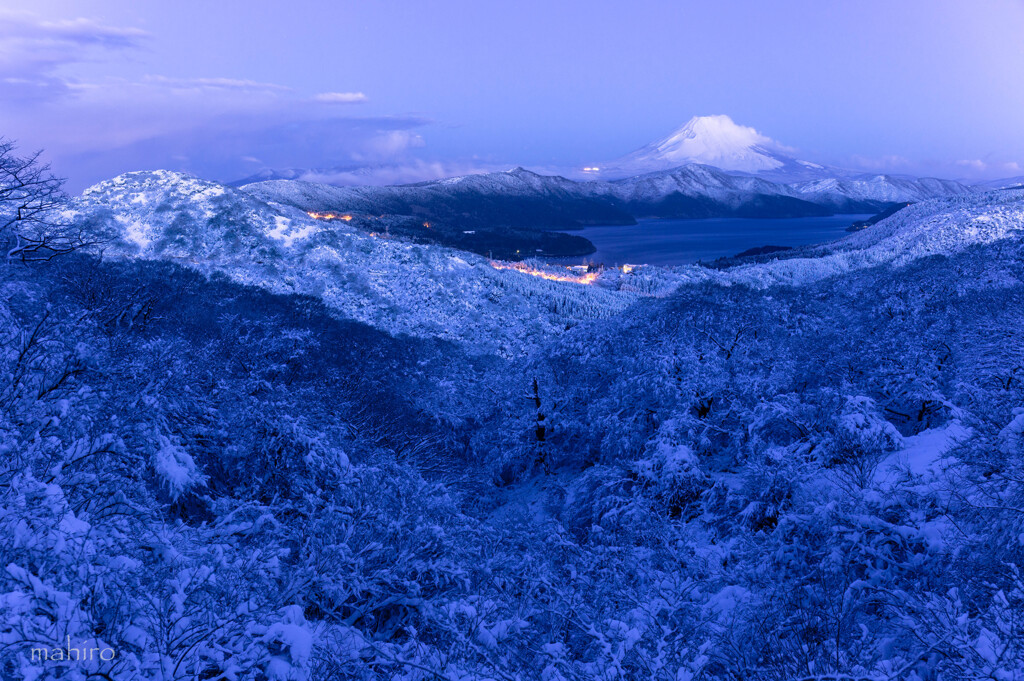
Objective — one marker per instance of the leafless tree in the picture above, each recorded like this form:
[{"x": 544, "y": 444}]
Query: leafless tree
[{"x": 32, "y": 223}]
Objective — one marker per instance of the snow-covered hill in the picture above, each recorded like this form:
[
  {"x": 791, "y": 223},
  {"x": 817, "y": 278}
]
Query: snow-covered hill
[
  {"x": 514, "y": 198},
  {"x": 1003, "y": 183},
  {"x": 841, "y": 192},
  {"x": 394, "y": 285},
  {"x": 939, "y": 227}
]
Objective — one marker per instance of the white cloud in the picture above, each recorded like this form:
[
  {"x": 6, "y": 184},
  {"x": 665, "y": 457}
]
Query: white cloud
[
  {"x": 236, "y": 143},
  {"x": 95, "y": 128},
  {"x": 388, "y": 144},
  {"x": 973, "y": 164},
  {"x": 33, "y": 52},
  {"x": 340, "y": 97},
  {"x": 207, "y": 84},
  {"x": 27, "y": 27},
  {"x": 967, "y": 170},
  {"x": 883, "y": 163},
  {"x": 978, "y": 165},
  {"x": 221, "y": 128}
]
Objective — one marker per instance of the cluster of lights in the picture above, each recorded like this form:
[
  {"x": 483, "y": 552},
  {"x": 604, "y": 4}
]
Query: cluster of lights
[
  {"x": 591, "y": 169},
  {"x": 329, "y": 216},
  {"x": 588, "y": 278}
]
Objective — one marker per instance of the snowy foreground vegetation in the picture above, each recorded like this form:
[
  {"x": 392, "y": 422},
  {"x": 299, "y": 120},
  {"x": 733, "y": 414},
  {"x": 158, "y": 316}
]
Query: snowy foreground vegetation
[{"x": 239, "y": 443}]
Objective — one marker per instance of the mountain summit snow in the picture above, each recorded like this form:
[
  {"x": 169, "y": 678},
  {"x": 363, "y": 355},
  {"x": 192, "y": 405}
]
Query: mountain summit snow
[{"x": 711, "y": 140}]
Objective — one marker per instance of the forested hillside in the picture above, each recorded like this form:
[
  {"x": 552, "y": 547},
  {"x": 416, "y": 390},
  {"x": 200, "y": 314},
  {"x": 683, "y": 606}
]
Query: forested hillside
[{"x": 243, "y": 444}]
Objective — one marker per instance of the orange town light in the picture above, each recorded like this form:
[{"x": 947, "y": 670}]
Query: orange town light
[
  {"x": 588, "y": 278},
  {"x": 329, "y": 216}
]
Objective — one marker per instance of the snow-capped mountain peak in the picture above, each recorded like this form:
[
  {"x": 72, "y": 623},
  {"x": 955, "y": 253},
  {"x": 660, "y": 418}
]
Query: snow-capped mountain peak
[{"x": 712, "y": 140}]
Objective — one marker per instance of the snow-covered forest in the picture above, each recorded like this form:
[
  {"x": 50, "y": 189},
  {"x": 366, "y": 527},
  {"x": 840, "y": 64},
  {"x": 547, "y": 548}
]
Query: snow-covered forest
[{"x": 241, "y": 443}]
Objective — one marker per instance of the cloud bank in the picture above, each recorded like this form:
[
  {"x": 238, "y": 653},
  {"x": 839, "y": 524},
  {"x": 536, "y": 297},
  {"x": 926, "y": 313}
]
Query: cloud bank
[
  {"x": 215, "y": 127},
  {"x": 340, "y": 97}
]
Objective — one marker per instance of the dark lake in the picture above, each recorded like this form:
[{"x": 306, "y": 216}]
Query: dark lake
[{"x": 677, "y": 242}]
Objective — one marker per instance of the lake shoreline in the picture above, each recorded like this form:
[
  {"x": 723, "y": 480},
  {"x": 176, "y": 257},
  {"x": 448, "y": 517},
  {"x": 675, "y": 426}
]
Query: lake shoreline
[{"x": 668, "y": 242}]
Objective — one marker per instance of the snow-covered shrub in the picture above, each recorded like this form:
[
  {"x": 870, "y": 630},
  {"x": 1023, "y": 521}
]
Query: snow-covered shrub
[
  {"x": 600, "y": 501},
  {"x": 175, "y": 468},
  {"x": 671, "y": 472},
  {"x": 860, "y": 439},
  {"x": 770, "y": 486},
  {"x": 862, "y": 420},
  {"x": 1011, "y": 438}
]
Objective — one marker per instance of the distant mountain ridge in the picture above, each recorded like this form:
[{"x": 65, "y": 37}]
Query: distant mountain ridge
[
  {"x": 511, "y": 199},
  {"x": 714, "y": 140},
  {"x": 710, "y": 167},
  {"x": 518, "y": 202}
]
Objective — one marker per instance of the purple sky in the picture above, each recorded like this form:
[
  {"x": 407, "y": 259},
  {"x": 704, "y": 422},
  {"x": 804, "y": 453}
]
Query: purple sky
[{"x": 421, "y": 89}]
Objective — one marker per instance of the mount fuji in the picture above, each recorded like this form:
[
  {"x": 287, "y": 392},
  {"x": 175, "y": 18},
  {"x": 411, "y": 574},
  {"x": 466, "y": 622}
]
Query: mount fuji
[{"x": 720, "y": 142}]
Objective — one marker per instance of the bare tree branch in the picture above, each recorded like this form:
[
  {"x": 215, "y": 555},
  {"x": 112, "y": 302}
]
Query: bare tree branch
[{"x": 32, "y": 200}]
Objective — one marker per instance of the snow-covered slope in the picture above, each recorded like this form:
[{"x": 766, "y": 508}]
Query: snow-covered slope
[
  {"x": 394, "y": 285},
  {"x": 849, "y": 193},
  {"x": 171, "y": 215},
  {"x": 939, "y": 227},
  {"x": 692, "y": 180},
  {"x": 516, "y": 182},
  {"x": 514, "y": 198},
  {"x": 1002, "y": 183},
  {"x": 837, "y": 192}
]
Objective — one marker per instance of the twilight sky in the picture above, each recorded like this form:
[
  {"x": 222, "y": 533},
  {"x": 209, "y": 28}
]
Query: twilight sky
[{"x": 422, "y": 89}]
